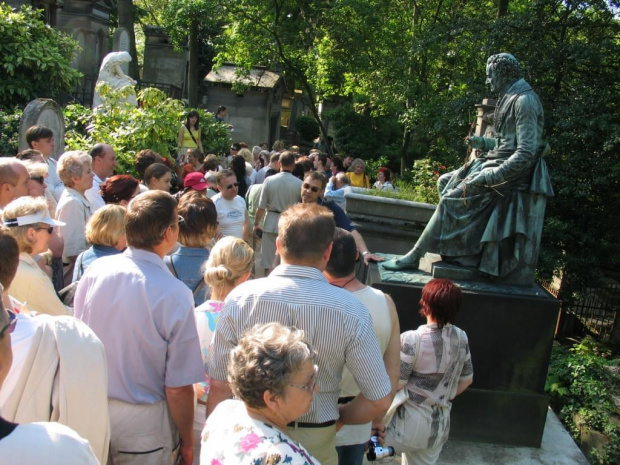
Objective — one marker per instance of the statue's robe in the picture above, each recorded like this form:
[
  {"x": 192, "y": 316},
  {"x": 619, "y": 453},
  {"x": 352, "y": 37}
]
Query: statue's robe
[{"x": 485, "y": 226}]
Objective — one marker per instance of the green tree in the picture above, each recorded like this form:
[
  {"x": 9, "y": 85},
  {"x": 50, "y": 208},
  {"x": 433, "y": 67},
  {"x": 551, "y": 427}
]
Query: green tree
[
  {"x": 129, "y": 129},
  {"x": 35, "y": 59},
  {"x": 289, "y": 35}
]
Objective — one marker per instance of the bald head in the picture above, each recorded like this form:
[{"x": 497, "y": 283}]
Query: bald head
[
  {"x": 13, "y": 180},
  {"x": 104, "y": 160}
]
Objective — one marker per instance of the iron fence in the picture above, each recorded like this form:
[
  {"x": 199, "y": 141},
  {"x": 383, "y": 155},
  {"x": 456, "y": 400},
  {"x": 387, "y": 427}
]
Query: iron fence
[{"x": 596, "y": 308}]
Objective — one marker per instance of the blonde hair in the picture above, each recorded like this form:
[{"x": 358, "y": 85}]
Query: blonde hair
[
  {"x": 71, "y": 165},
  {"x": 24, "y": 206},
  {"x": 247, "y": 155},
  {"x": 36, "y": 169},
  {"x": 229, "y": 260},
  {"x": 106, "y": 225}
]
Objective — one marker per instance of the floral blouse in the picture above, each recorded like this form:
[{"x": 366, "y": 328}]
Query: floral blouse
[{"x": 231, "y": 437}]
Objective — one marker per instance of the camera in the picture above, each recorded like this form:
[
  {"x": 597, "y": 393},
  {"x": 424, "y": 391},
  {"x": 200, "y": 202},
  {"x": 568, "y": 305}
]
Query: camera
[{"x": 376, "y": 451}]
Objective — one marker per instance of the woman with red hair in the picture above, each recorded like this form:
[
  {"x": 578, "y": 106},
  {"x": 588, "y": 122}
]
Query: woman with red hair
[
  {"x": 120, "y": 189},
  {"x": 435, "y": 367},
  {"x": 384, "y": 180}
]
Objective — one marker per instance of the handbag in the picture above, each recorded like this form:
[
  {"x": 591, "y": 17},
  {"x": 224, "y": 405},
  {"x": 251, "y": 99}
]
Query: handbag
[{"x": 401, "y": 395}]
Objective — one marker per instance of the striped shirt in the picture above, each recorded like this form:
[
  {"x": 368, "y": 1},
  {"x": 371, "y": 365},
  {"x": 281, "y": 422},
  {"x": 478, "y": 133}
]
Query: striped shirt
[{"x": 337, "y": 325}]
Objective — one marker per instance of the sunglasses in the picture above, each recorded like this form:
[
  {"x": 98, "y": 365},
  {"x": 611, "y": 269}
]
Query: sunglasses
[
  {"x": 312, "y": 384},
  {"x": 10, "y": 326},
  {"x": 38, "y": 179},
  {"x": 49, "y": 229},
  {"x": 234, "y": 184},
  {"x": 180, "y": 220},
  {"x": 312, "y": 188}
]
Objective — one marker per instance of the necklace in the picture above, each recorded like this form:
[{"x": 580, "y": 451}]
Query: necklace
[{"x": 345, "y": 284}]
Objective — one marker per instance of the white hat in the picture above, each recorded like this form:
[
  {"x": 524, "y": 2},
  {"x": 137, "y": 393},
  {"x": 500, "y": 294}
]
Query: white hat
[{"x": 40, "y": 217}]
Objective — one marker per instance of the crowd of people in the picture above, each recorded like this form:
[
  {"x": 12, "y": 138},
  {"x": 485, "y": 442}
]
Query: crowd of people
[{"x": 134, "y": 328}]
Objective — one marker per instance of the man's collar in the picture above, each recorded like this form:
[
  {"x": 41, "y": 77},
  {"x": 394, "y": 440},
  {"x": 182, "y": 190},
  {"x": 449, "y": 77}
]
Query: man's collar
[{"x": 300, "y": 271}]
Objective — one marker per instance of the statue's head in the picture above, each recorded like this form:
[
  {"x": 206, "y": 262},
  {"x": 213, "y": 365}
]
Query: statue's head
[{"x": 502, "y": 69}]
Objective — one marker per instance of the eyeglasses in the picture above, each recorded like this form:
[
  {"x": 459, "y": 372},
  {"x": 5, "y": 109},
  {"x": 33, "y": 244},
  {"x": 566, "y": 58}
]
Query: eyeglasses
[
  {"x": 38, "y": 179},
  {"x": 234, "y": 184},
  {"x": 10, "y": 326},
  {"x": 312, "y": 384},
  {"x": 312, "y": 188},
  {"x": 49, "y": 229}
]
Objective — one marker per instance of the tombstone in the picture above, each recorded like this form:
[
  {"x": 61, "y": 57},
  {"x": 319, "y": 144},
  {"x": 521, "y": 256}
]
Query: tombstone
[
  {"x": 121, "y": 43},
  {"x": 43, "y": 112}
]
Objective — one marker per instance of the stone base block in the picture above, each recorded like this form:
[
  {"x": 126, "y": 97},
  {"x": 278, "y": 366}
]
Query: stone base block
[
  {"x": 499, "y": 417},
  {"x": 510, "y": 331}
]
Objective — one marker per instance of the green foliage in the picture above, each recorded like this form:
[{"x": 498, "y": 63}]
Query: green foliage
[
  {"x": 423, "y": 179},
  {"x": 581, "y": 387},
  {"x": 9, "y": 131},
  {"x": 153, "y": 125},
  {"x": 35, "y": 59},
  {"x": 362, "y": 135},
  {"x": 307, "y": 127}
]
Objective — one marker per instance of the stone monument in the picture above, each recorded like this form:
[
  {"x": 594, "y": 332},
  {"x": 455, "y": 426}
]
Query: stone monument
[
  {"x": 111, "y": 73},
  {"x": 121, "y": 43},
  {"x": 43, "y": 112},
  {"x": 487, "y": 229}
]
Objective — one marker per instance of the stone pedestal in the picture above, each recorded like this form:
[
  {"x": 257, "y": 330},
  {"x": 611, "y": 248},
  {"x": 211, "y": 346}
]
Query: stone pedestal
[{"x": 510, "y": 331}]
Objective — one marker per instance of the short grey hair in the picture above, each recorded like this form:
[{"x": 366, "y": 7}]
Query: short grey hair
[
  {"x": 71, "y": 165},
  {"x": 266, "y": 359}
]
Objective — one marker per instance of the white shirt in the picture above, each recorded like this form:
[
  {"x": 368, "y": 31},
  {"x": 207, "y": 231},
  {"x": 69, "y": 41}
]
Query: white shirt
[
  {"x": 93, "y": 195},
  {"x": 49, "y": 443},
  {"x": 54, "y": 184},
  {"x": 75, "y": 210},
  {"x": 230, "y": 215},
  {"x": 337, "y": 325}
]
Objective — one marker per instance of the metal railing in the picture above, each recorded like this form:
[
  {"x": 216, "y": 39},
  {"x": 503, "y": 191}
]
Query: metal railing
[{"x": 596, "y": 308}]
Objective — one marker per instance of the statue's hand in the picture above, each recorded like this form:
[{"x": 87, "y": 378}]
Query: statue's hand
[{"x": 475, "y": 142}]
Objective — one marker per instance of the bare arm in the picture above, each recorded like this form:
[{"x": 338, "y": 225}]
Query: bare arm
[
  {"x": 199, "y": 142},
  {"x": 391, "y": 358},
  {"x": 361, "y": 410},
  {"x": 361, "y": 247},
  {"x": 218, "y": 392},
  {"x": 181, "y": 404},
  {"x": 392, "y": 353},
  {"x": 258, "y": 216},
  {"x": 463, "y": 384},
  {"x": 246, "y": 227},
  {"x": 180, "y": 138}
]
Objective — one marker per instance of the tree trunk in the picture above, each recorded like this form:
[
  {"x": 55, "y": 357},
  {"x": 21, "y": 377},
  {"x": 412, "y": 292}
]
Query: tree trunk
[
  {"x": 125, "y": 19},
  {"x": 502, "y": 8},
  {"x": 192, "y": 75},
  {"x": 403, "y": 151}
]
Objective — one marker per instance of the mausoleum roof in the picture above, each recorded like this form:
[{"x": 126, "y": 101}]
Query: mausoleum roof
[{"x": 259, "y": 77}]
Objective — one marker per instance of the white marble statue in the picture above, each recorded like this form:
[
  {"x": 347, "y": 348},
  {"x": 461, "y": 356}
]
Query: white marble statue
[{"x": 111, "y": 73}]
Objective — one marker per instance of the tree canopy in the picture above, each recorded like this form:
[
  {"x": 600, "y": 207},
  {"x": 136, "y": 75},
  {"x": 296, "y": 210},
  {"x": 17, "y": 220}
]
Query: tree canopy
[{"x": 35, "y": 59}]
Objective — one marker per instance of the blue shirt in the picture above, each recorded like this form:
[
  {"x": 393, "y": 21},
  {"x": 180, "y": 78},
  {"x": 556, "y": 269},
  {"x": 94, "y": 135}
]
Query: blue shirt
[
  {"x": 189, "y": 268},
  {"x": 340, "y": 217},
  {"x": 89, "y": 256}
]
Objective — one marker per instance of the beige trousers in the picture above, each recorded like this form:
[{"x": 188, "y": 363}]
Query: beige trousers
[
  {"x": 142, "y": 434},
  {"x": 320, "y": 442}
]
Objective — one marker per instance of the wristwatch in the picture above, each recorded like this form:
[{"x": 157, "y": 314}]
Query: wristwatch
[{"x": 365, "y": 253}]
